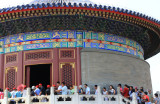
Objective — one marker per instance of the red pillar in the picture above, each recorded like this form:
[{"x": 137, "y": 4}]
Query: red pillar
[
  {"x": 1, "y": 70},
  {"x": 55, "y": 65},
  {"x": 78, "y": 66},
  {"x": 27, "y": 70},
  {"x": 20, "y": 68}
]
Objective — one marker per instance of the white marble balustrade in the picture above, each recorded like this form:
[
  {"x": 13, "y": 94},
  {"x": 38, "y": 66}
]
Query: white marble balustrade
[{"x": 71, "y": 99}]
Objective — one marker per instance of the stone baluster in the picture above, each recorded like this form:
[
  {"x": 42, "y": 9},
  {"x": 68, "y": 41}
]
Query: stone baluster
[
  {"x": 75, "y": 89},
  {"x": 5, "y": 97},
  {"x": 76, "y": 96},
  {"x": 119, "y": 96},
  {"x": 87, "y": 98},
  {"x": 134, "y": 98},
  {"x": 99, "y": 96},
  {"x": 28, "y": 97},
  {"x": 51, "y": 99},
  {"x": 64, "y": 97}
]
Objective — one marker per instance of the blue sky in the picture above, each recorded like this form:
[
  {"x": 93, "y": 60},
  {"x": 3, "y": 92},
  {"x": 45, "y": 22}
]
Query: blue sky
[{"x": 148, "y": 7}]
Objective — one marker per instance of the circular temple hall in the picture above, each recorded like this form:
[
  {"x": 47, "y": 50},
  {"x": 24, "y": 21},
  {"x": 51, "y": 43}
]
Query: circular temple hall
[{"x": 75, "y": 42}]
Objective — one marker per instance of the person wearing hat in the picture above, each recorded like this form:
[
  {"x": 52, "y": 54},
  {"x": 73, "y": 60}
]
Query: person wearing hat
[
  {"x": 13, "y": 95},
  {"x": 37, "y": 91},
  {"x": 33, "y": 89},
  {"x": 18, "y": 94},
  {"x": 33, "y": 94},
  {"x": 42, "y": 90},
  {"x": 9, "y": 94},
  {"x": 54, "y": 85},
  {"x": 48, "y": 90}
]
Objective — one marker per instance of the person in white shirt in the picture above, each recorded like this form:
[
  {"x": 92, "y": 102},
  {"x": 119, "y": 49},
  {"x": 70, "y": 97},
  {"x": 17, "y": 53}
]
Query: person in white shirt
[
  {"x": 105, "y": 92},
  {"x": 13, "y": 93},
  {"x": 96, "y": 89},
  {"x": 87, "y": 89},
  {"x": 24, "y": 93},
  {"x": 59, "y": 88},
  {"x": 64, "y": 89}
]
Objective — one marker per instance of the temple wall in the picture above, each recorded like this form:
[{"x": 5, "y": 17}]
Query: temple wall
[
  {"x": 15, "y": 66},
  {"x": 111, "y": 68},
  {"x": 93, "y": 66}
]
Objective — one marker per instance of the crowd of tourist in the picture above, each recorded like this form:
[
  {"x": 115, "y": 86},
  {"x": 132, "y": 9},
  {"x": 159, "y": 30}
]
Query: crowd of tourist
[{"x": 143, "y": 97}]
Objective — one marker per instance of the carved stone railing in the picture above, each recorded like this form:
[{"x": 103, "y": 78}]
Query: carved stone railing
[
  {"x": 1, "y": 100},
  {"x": 71, "y": 99},
  {"x": 16, "y": 99}
]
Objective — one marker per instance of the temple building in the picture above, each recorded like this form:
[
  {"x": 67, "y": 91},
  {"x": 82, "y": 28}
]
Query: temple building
[{"x": 75, "y": 41}]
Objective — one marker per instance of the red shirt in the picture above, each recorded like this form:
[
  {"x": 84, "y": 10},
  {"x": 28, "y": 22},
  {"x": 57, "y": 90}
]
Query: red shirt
[
  {"x": 146, "y": 97},
  {"x": 126, "y": 92},
  {"x": 1, "y": 95}
]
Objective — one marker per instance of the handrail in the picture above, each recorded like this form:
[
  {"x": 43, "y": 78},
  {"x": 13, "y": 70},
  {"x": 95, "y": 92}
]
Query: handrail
[{"x": 71, "y": 99}]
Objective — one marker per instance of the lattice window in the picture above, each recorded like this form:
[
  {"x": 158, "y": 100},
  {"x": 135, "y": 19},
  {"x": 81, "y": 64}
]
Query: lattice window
[
  {"x": 67, "y": 74},
  {"x": 11, "y": 78},
  {"x": 11, "y": 58},
  {"x": 38, "y": 55},
  {"x": 67, "y": 54}
]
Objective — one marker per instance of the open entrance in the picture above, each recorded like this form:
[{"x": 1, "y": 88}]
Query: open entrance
[{"x": 40, "y": 74}]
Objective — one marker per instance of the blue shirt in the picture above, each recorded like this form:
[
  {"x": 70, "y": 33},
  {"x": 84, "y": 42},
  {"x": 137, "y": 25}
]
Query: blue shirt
[
  {"x": 13, "y": 93},
  {"x": 18, "y": 94},
  {"x": 64, "y": 90},
  {"x": 80, "y": 90},
  {"x": 37, "y": 91}
]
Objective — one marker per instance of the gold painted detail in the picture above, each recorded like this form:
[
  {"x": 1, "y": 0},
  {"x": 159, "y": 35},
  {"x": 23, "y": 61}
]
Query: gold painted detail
[{"x": 10, "y": 68}]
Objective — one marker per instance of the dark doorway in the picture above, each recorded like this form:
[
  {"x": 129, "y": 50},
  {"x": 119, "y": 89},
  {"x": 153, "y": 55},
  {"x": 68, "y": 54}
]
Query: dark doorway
[{"x": 40, "y": 74}]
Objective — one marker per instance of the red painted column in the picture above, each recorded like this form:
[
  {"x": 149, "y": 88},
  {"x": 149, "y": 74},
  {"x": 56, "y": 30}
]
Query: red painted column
[
  {"x": 78, "y": 66},
  {"x": 1, "y": 70},
  {"x": 20, "y": 68},
  {"x": 27, "y": 76},
  {"x": 55, "y": 65}
]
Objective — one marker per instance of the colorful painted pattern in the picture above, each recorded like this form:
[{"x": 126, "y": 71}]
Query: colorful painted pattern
[{"x": 60, "y": 39}]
